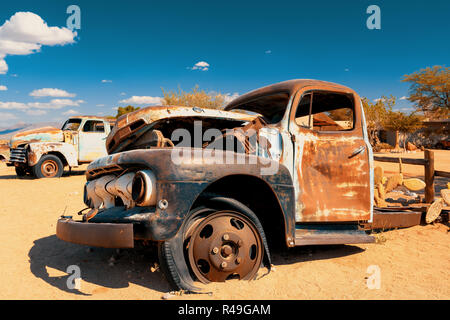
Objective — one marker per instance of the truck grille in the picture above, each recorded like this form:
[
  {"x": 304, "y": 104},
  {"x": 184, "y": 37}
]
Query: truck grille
[{"x": 18, "y": 155}]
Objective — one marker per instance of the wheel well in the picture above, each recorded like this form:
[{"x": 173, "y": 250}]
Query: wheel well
[
  {"x": 256, "y": 194},
  {"x": 59, "y": 155}
]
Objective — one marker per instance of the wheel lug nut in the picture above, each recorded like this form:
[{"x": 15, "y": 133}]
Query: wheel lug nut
[
  {"x": 223, "y": 265},
  {"x": 226, "y": 237},
  {"x": 215, "y": 250}
]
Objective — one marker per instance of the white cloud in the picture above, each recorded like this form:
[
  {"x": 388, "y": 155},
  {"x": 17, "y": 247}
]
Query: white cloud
[
  {"x": 229, "y": 97},
  {"x": 268, "y": 51},
  {"x": 141, "y": 100},
  {"x": 3, "y": 88},
  {"x": 33, "y": 112},
  {"x": 346, "y": 69},
  {"x": 201, "y": 65},
  {"x": 70, "y": 112},
  {"x": 52, "y": 104},
  {"x": 403, "y": 98},
  {"x": 13, "y": 105},
  {"x": 106, "y": 81},
  {"x": 379, "y": 99},
  {"x": 51, "y": 92},
  {"x": 3, "y": 66},
  {"x": 25, "y": 33},
  {"x": 123, "y": 94},
  {"x": 6, "y": 116}
]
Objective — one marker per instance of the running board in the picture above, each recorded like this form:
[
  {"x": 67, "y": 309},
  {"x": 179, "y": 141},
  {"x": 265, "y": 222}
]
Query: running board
[{"x": 306, "y": 235}]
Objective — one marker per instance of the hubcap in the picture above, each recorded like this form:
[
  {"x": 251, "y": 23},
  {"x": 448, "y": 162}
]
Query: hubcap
[
  {"x": 222, "y": 246},
  {"x": 49, "y": 168}
]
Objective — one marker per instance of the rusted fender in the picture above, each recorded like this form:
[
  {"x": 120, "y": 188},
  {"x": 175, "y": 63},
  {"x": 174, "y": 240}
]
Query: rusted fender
[
  {"x": 181, "y": 184},
  {"x": 38, "y": 149}
]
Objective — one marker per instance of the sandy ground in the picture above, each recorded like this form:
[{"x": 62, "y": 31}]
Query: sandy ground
[{"x": 413, "y": 262}]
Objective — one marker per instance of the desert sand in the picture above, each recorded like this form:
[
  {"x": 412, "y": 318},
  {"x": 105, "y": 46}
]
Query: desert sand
[{"x": 413, "y": 262}]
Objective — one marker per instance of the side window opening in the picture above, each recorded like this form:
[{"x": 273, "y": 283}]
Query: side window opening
[
  {"x": 94, "y": 126},
  {"x": 326, "y": 111}
]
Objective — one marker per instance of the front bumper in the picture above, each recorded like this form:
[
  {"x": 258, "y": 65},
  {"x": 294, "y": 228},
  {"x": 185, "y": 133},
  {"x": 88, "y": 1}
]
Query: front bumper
[{"x": 106, "y": 235}]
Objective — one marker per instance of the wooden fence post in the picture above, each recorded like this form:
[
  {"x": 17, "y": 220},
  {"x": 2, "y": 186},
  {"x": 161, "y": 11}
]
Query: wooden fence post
[{"x": 429, "y": 176}]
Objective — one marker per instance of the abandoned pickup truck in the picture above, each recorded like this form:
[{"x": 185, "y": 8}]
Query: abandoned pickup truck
[
  {"x": 44, "y": 152},
  {"x": 289, "y": 164}
]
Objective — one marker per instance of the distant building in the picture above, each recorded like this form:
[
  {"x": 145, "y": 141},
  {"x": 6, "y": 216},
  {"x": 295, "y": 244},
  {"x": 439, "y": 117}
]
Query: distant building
[{"x": 432, "y": 133}]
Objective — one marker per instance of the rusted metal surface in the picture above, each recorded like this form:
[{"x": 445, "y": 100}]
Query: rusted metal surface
[
  {"x": 311, "y": 235},
  {"x": 323, "y": 176},
  {"x": 224, "y": 245},
  {"x": 105, "y": 235},
  {"x": 37, "y": 135},
  {"x": 332, "y": 180},
  {"x": 181, "y": 184},
  {"x": 130, "y": 123},
  {"x": 395, "y": 219},
  {"x": 37, "y": 149}
]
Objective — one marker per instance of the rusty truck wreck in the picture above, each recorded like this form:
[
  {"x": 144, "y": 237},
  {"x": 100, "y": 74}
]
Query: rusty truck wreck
[
  {"x": 44, "y": 152},
  {"x": 298, "y": 172}
]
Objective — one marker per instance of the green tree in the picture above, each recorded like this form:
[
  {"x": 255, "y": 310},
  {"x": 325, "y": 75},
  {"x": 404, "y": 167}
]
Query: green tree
[
  {"x": 376, "y": 114},
  {"x": 124, "y": 110},
  {"x": 430, "y": 91},
  {"x": 194, "y": 98},
  {"x": 402, "y": 123}
]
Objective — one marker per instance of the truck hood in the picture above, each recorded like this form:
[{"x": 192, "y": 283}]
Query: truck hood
[
  {"x": 129, "y": 124},
  {"x": 45, "y": 134}
]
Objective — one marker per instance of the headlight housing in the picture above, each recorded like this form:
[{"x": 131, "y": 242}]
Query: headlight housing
[{"x": 144, "y": 188}]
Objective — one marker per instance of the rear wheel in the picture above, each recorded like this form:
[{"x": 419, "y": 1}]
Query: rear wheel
[
  {"x": 214, "y": 245},
  {"x": 49, "y": 166}
]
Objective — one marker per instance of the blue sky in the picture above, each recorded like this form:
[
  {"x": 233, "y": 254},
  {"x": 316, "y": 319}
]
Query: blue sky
[{"x": 140, "y": 46}]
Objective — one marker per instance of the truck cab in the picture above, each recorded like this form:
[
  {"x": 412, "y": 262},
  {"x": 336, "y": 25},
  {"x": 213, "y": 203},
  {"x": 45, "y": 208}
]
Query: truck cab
[{"x": 44, "y": 152}]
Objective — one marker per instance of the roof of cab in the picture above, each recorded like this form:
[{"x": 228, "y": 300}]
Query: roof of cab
[{"x": 289, "y": 86}]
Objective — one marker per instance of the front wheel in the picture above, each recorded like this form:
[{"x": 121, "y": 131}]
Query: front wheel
[
  {"x": 21, "y": 171},
  {"x": 49, "y": 166},
  {"x": 215, "y": 246}
]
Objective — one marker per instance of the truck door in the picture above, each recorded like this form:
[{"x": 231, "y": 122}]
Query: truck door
[
  {"x": 331, "y": 158},
  {"x": 92, "y": 137}
]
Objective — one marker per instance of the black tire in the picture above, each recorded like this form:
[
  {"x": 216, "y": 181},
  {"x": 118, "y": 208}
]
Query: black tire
[
  {"x": 173, "y": 257},
  {"x": 21, "y": 171},
  {"x": 49, "y": 166}
]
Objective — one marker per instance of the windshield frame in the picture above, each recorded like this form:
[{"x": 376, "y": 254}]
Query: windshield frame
[{"x": 72, "y": 121}]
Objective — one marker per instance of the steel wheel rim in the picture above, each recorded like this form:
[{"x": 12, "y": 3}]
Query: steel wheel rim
[
  {"x": 49, "y": 168},
  {"x": 223, "y": 246}
]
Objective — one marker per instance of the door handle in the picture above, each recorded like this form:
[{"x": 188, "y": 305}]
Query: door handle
[{"x": 357, "y": 151}]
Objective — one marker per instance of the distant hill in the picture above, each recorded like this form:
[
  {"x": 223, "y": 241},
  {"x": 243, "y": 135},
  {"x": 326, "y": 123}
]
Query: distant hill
[{"x": 8, "y": 132}]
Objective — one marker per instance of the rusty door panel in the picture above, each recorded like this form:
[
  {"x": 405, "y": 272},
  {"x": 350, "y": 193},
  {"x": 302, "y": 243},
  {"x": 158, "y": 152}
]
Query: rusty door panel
[{"x": 332, "y": 181}]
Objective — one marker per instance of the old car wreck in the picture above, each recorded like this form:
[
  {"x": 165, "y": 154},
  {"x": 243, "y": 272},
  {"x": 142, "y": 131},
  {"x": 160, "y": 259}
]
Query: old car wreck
[
  {"x": 44, "y": 152},
  {"x": 298, "y": 172}
]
